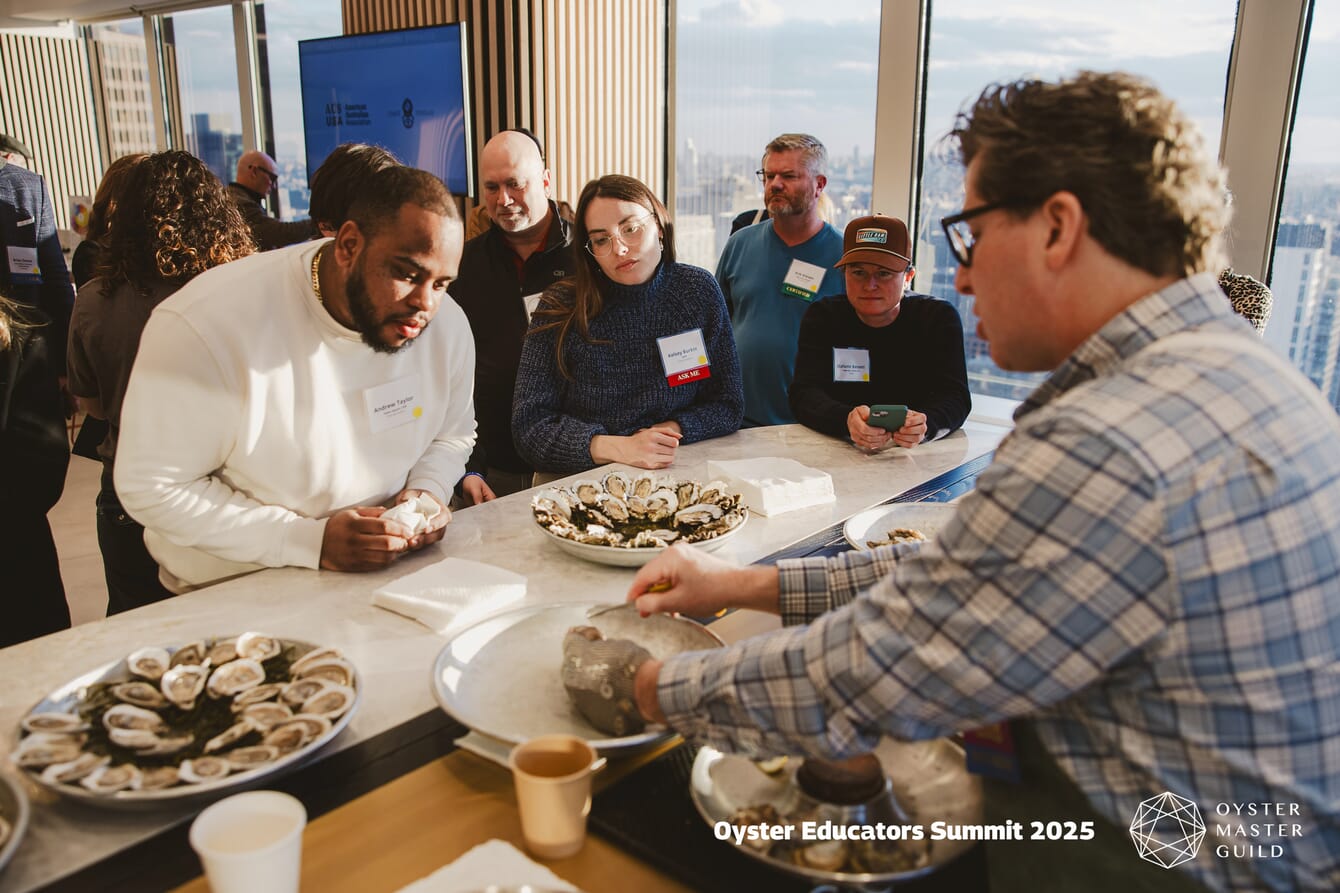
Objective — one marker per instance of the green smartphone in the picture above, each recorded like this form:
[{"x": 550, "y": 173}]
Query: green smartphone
[{"x": 890, "y": 417}]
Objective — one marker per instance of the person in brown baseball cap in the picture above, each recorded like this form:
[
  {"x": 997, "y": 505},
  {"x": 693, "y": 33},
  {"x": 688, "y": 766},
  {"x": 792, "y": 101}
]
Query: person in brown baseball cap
[
  {"x": 882, "y": 241},
  {"x": 880, "y": 345}
]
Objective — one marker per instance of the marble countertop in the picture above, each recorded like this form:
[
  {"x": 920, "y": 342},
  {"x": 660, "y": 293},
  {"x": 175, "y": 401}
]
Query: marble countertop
[{"x": 395, "y": 655}]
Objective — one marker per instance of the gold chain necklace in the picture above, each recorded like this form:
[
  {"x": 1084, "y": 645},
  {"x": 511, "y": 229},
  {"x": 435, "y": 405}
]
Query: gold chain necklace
[{"x": 316, "y": 280}]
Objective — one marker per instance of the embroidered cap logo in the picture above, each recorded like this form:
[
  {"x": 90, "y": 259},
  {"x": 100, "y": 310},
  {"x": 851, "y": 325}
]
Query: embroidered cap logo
[
  {"x": 872, "y": 235},
  {"x": 1167, "y": 830}
]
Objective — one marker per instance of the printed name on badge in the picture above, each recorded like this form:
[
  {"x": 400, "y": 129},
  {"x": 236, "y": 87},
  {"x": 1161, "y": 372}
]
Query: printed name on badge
[
  {"x": 23, "y": 268},
  {"x": 684, "y": 357},
  {"x": 803, "y": 280},
  {"x": 851, "y": 364},
  {"x": 393, "y": 404}
]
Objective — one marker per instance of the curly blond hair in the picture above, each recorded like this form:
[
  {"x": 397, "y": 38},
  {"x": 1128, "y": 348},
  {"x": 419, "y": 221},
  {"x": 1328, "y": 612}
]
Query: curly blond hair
[
  {"x": 172, "y": 222},
  {"x": 1153, "y": 195}
]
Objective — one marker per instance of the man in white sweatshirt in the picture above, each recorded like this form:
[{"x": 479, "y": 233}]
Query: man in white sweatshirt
[{"x": 279, "y": 402}]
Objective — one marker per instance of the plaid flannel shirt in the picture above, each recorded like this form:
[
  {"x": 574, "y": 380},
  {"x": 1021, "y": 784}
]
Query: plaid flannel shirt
[{"x": 1150, "y": 569}]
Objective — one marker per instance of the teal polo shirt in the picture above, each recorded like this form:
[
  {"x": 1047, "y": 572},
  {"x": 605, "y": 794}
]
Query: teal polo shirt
[{"x": 766, "y": 320}]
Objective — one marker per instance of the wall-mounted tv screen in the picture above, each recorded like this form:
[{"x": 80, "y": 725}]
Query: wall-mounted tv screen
[{"x": 403, "y": 90}]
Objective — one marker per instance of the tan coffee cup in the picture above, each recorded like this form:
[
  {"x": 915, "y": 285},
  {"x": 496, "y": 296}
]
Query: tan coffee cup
[{"x": 553, "y": 791}]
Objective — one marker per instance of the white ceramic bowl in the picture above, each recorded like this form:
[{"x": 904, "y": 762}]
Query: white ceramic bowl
[{"x": 875, "y": 523}]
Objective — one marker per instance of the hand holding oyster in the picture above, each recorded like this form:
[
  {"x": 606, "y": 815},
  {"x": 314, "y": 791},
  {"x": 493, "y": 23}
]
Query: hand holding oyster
[{"x": 598, "y": 675}]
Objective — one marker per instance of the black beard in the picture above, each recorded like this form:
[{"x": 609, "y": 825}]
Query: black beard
[{"x": 364, "y": 314}]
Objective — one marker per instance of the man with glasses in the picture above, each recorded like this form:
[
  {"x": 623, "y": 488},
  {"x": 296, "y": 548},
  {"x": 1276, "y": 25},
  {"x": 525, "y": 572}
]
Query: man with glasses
[
  {"x": 880, "y": 344},
  {"x": 257, "y": 177},
  {"x": 772, "y": 272},
  {"x": 503, "y": 273},
  {"x": 1145, "y": 578}
]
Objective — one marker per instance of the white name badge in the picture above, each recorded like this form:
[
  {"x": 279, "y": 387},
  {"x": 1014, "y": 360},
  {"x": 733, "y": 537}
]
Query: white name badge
[
  {"x": 803, "y": 280},
  {"x": 851, "y": 364},
  {"x": 393, "y": 404},
  {"x": 23, "y": 265},
  {"x": 531, "y": 302},
  {"x": 684, "y": 357}
]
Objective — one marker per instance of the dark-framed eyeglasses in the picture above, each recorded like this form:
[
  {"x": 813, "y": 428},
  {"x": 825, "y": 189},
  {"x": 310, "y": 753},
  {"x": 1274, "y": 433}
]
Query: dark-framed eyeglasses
[
  {"x": 960, "y": 235},
  {"x": 629, "y": 233},
  {"x": 272, "y": 175},
  {"x": 787, "y": 176}
]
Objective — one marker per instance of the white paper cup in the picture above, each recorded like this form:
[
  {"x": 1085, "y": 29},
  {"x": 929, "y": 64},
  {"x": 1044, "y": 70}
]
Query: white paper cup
[
  {"x": 553, "y": 791},
  {"x": 251, "y": 842}
]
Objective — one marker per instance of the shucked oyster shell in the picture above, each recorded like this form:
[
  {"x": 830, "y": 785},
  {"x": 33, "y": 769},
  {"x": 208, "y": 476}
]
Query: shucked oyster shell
[
  {"x": 183, "y": 684},
  {"x": 149, "y": 663},
  {"x": 236, "y": 676}
]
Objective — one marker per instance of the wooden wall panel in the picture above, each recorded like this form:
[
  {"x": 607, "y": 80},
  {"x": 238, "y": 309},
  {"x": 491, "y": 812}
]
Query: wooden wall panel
[
  {"x": 588, "y": 77},
  {"x": 46, "y": 101}
]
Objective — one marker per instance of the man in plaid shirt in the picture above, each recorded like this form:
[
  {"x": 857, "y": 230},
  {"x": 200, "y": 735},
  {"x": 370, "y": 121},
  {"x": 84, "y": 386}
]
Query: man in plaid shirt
[{"x": 1149, "y": 572}]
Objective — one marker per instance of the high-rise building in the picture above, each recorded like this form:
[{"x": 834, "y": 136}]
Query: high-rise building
[
  {"x": 1304, "y": 325},
  {"x": 123, "y": 69}
]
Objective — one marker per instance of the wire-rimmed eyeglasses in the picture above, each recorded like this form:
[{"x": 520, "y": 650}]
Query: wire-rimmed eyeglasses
[
  {"x": 629, "y": 233},
  {"x": 960, "y": 236}
]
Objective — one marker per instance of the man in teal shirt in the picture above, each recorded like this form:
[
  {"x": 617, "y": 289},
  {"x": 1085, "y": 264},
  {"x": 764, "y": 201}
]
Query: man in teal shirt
[{"x": 772, "y": 271}]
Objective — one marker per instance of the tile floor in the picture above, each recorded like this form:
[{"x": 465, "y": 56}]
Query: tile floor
[{"x": 75, "y": 526}]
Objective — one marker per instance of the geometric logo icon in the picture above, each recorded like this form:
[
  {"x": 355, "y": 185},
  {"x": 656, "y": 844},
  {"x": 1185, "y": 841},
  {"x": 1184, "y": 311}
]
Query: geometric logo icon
[
  {"x": 1167, "y": 830},
  {"x": 407, "y": 113}
]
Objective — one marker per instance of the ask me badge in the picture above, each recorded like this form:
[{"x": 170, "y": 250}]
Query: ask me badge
[{"x": 684, "y": 357}]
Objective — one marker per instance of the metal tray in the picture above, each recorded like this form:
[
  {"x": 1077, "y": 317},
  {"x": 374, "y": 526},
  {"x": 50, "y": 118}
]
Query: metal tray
[
  {"x": 65, "y": 699},
  {"x": 619, "y": 557},
  {"x": 14, "y": 811},
  {"x": 501, "y": 677},
  {"x": 875, "y": 523},
  {"x": 927, "y": 779}
]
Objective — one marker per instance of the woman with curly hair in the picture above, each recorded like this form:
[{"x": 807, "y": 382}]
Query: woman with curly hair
[{"x": 171, "y": 222}]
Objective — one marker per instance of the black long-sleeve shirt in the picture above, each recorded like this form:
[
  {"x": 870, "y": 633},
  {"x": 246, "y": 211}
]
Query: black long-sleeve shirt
[
  {"x": 491, "y": 288},
  {"x": 917, "y": 360}
]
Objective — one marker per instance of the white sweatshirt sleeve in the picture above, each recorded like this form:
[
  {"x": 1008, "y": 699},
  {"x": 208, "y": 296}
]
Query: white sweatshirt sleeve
[
  {"x": 443, "y": 462},
  {"x": 178, "y": 424}
]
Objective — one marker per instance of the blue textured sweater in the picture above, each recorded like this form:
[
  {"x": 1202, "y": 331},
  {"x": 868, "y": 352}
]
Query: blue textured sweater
[{"x": 620, "y": 386}]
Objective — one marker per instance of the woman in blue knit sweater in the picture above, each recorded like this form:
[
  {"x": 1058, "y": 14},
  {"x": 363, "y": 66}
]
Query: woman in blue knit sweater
[{"x": 631, "y": 356}]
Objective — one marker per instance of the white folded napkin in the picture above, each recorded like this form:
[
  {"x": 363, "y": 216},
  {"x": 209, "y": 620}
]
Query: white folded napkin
[
  {"x": 771, "y": 485},
  {"x": 451, "y": 593},
  {"x": 493, "y": 863}
]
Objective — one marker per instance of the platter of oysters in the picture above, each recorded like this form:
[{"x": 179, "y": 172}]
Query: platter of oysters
[
  {"x": 626, "y": 520},
  {"x": 851, "y": 823},
  {"x": 172, "y": 723},
  {"x": 899, "y": 522}
]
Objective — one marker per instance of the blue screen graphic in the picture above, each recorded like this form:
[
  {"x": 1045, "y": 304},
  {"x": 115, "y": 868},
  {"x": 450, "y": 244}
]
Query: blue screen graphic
[{"x": 401, "y": 90}]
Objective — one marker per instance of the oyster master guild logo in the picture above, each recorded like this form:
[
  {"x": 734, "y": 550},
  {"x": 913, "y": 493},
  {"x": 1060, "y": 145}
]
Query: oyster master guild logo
[
  {"x": 407, "y": 113},
  {"x": 1167, "y": 830},
  {"x": 872, "y": 235}
]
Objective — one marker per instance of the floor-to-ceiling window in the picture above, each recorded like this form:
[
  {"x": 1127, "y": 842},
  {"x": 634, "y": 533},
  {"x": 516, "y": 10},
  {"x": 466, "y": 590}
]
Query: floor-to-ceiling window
[
  {"x": 200, "y": 60},
  {"x": 1305, "y": 276},
  {"x": 746, "y": 72},
  {"x": 1183, "y": 48},
  {"x": 282, "y": 23}
]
